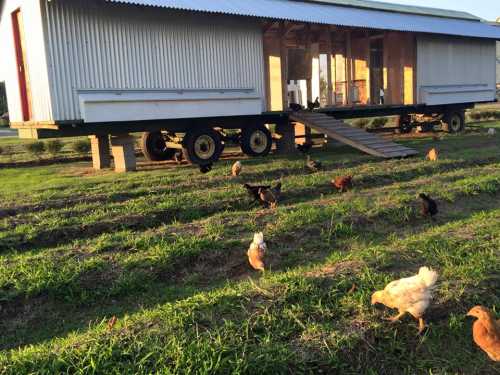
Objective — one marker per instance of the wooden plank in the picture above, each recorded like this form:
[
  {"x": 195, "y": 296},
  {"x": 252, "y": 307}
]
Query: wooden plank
[{"x": 357, "y": 138}]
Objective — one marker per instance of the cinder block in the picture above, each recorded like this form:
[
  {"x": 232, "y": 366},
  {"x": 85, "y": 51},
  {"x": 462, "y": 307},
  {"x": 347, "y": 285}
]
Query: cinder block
[
  {"x": 122, "y": 147},
  {"x": 101, "y": 157},
  {"x": 303, "y": 132}
]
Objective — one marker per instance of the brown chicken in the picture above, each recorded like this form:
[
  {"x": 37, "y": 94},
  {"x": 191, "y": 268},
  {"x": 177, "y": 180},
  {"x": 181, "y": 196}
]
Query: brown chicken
[
  {"x": 270, "y": 197},
  {"x": 433, "y": 155},
  {"x": 429, "y": 206},
  {"x": 236, "y": 169},
  {"x": 343, "y": 183},
  {"x": 257, "y": 251},
  {"x": 486, "y": 331}
]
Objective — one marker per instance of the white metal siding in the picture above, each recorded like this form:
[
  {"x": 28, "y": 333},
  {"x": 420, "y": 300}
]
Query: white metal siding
[
  {"x": 498, "y": 63},
  {"x": 103, "y": 46},
  {"x": 455, "y": 70},
  {"x": 36, "y": 61}
]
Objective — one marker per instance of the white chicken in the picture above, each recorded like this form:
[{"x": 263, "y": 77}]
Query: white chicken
[
  {"x": 257, "y": 251},
  {"x": 409, "y": 295},
  {"x": 491, "y": 132}
]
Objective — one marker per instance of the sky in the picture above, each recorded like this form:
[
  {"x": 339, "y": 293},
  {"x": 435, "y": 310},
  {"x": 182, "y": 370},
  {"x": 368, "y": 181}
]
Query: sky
[{"x": 487, "y": 9}]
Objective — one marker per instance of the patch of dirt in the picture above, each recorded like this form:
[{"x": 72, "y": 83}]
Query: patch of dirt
[
  {"x": 335, "y": 269},
  {"x": 188, "y": 229},
  {"x": 44, "y": 162},
  {"x": 21, "y": 310}
]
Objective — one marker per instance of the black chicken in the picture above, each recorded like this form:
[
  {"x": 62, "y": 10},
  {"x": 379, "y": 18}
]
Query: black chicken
[
  {"x": 296, "y": 107},
  {"x": 313, "y": 105},
  {"x": 206, "y": 168},
  {"x": 429, "y": 206},
  {"x": 305, "y": 148},
  {"x": 253, "y": 191}
]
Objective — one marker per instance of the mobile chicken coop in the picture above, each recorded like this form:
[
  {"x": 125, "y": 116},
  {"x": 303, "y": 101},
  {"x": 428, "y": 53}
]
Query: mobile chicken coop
[{"x": 185, "y": 71}]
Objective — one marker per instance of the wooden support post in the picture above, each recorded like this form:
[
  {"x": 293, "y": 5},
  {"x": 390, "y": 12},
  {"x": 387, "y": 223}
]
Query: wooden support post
[
  {"x": 101, "y": 157},
  {"x": 330, "y": 67},
  {"x": 123, "y": 150},
  {"x": 349, "y": 67},
  {"x": 309, "y": 56},
  {"x": 286, "y": 142},
  {"x": 284, "y": 59},
  {"x": 315, "y": 85}
]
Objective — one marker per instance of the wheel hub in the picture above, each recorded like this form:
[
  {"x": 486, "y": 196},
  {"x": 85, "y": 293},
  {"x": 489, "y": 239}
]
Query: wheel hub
[
  {"x": 455, "y": 123},
  {"x": 204, "y": 147},
  {"x": 258, "y": 141},
  {"x": 160, "y": 144}
]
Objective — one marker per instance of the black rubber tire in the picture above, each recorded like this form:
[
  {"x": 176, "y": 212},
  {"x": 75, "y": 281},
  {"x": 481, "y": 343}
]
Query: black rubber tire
[
  {"x": 154, "y": 147},
  {"x": 454, "y": 122},
  {"x": 256, "y": 141},
  {"x": 202, "y": 146}
]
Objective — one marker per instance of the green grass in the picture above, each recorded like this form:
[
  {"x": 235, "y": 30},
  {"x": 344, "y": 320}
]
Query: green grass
[{"x": 164, "y": 250}]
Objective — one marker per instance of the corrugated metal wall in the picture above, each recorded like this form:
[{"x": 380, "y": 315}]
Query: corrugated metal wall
[
  {"x": 97, "y": 45},
  {"x": 35, "y": 60},
  {"x": 498, "y": 63},
  {"x": 450, "y": 61}
]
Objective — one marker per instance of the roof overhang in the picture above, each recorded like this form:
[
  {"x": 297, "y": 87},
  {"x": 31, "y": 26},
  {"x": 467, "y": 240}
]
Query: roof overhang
[{"x": 330, "y": 14}]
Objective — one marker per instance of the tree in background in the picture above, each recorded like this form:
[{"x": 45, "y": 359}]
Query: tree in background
[{"x": 3, "y": 99}]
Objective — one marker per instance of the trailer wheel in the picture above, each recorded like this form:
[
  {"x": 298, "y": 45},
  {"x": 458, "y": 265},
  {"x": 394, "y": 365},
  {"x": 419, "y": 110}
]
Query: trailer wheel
[
  {"x": 256, "y": 141},
  {"x": 454, "y": 122},
  {"x": 405, "y": 125},
  {"x": 202, "y": 146},
  {"x": 154, "y": 147}
]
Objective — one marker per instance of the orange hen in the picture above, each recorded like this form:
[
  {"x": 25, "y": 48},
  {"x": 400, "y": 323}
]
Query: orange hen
[
  {"x": 343, "y": 183},
  {"x": 433, "y": 155},
  {"x": 486, "y": 332},
  {"x": 236, "y": 169},
  {"x": 257, "y": 251}
]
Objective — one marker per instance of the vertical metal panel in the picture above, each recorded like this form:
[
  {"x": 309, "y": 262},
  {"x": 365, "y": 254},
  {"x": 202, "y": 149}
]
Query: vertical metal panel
[
  {"x": 96, "y": 46},
  {"x": 465, "y": 66},
  {"x": 498, "y": 63},
  {"x": 36, "y": 61}
]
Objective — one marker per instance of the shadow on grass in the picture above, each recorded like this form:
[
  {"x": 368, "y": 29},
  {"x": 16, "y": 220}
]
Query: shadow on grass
[{"x": 32, "y": 319}]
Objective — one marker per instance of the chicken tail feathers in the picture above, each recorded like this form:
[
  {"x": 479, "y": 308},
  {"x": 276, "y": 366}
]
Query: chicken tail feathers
[{"x": 428, "y": 276}]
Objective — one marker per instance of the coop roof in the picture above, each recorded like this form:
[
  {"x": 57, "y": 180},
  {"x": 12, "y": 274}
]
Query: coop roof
[{"x": 354, "y": 13}]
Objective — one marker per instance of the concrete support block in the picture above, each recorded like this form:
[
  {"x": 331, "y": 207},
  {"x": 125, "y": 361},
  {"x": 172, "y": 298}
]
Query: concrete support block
[
  {"x": 303, "y": 132},
  {"x": 286, "y": 142},
  {"x": 122, "y": 147},
  {"x": 101, "y": 157}
]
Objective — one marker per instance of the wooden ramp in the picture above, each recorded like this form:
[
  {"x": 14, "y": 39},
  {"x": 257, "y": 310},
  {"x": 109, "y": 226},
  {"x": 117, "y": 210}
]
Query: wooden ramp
[{"x": 357, "y": 138}]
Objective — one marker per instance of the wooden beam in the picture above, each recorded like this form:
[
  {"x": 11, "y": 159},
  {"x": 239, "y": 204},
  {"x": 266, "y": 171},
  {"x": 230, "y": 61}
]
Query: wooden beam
[
  {"x": 284, "y": 59},
  {"x": 330, "y": 67},
  {"x": 348, "y": 66},
  {"x": 267, "y": 26}
]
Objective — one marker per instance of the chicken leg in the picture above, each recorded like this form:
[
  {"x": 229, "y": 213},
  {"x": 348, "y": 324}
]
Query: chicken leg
[
  {"x": 396, "y": 318},
  {"x": 421, "y": 326}
]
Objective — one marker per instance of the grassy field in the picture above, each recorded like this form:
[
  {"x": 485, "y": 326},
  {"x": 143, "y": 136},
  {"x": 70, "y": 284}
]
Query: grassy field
[{"x": 164, "y": 250}]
